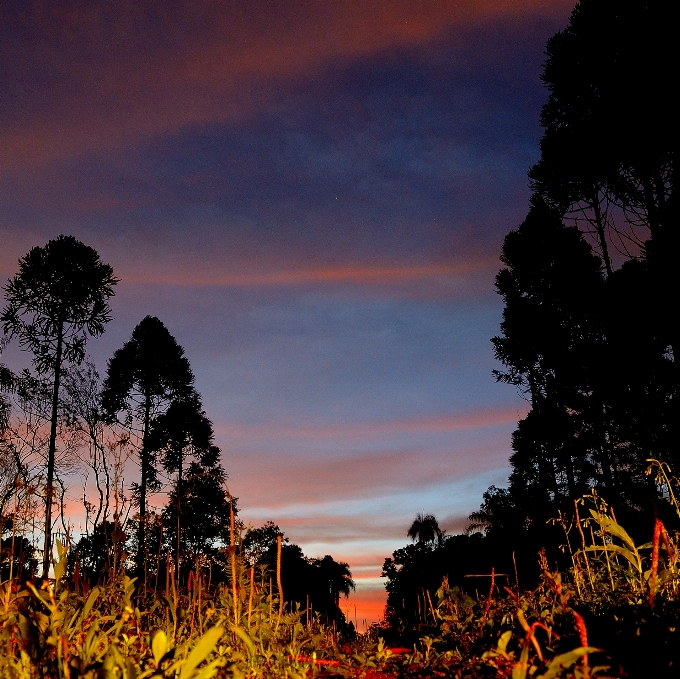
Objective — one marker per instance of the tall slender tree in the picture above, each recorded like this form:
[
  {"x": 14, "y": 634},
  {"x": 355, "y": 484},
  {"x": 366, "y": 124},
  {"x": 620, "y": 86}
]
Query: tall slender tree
[
  {"x": 143, "y": 379},
  {"x": 59, "y": 297},
  {"x": 185, "y": 433},
  {"x": 197, "y": 514}
]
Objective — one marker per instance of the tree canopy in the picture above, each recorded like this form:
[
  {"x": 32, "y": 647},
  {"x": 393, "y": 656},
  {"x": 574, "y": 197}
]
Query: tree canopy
[
  {"x": 59, "y": 297},
  {"x": 588, "y": 280},
  {"x": 143, "y": 379}
]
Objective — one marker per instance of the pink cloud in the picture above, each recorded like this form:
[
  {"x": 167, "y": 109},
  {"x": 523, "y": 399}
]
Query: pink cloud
[
  {"x": 356, "y": 274},
  {"x": 277, "y": 481},
  {"x": 109, "y": 81},
  {"x": 270, "y": 478},
  {"x": 486, "y": 417}
]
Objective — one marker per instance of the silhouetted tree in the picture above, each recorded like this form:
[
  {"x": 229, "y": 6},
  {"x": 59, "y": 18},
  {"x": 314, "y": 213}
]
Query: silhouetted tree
[
  {"x": 415, "y": 572},
  {"x": 425, "y": 529},
  {"x": 184, "y": 432},
  {"x": 59, "y": 297},
  {"x": 595, "y": 354},
  {"x": 610, "y": 132},
  {"x": 552, "y": 346},
  {"x": 257, "y": 542},
  {"x": 197, "y": 515},
  {"x": 17, "y": 555},
  {"x": 317, "y": 583},
  {"x": 143, "y": 379},
  {"x": 95, "y": 555}
]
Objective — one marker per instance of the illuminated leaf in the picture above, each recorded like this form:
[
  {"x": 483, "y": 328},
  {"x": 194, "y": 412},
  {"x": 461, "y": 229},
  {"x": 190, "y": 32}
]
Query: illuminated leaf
[{"x": 203, "y": 648}]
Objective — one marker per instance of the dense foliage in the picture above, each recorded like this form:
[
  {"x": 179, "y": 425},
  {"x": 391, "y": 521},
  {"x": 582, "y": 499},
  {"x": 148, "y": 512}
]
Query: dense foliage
[
  {"x": 588, "y": 335},
  {"x": 613, "y": 613}
]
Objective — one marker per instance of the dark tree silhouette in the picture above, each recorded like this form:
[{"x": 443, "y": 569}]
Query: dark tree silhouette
[
  {"x": 610, "y": 132},
  {"x": 552, "y": 345},
  {"x": 593, "y": 347},
  {"x": 196, "y": 517},
  {"x": 317, "y": 583},
  {"x": 417, "y": 571},
  {"x": 425, "y": 529},
  {"x": 184, "y": 432},
  {"x": 59, "y": 297},
  {"x": 96, "y": 555},
  {"x": 258, "y": 541},
  {"x": 143, "y": 379}
]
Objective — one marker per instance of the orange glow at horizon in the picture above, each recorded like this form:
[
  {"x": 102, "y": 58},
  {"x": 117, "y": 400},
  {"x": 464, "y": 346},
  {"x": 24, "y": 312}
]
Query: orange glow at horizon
[{"x": 364, "y": 607}]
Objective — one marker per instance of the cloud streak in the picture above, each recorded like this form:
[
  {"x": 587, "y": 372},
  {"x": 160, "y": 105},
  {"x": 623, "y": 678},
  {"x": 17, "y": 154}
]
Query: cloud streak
[
  {"x": 449, "y": 422},
  {"x": 356, "y": 275},
  {"x": 112, "y": 75}
]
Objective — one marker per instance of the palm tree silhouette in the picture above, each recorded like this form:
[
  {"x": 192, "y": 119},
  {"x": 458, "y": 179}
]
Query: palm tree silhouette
[{"x": 425, "y": 529}]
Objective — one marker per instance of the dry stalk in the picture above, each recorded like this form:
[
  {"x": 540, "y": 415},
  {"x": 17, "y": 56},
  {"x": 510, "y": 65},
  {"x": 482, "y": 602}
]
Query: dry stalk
[{"x": 278, "y": 579}]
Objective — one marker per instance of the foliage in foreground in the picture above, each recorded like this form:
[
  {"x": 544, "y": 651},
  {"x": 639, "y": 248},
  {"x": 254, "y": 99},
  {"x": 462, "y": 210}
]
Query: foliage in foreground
[
  {"x": 56, "y": 632},
  {"x": 239, "y": 629},
  {"x": 617, "y": 595}
]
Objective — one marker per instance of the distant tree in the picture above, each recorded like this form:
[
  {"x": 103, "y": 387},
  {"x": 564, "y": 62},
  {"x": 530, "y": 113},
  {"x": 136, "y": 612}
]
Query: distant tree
[
  {"x": 497, "y": 514},
  {"x": 59, "y": 297},
  {"x": 317, "y": 583},
  {"x": 96, "y": 555},
  {"x": 425, "y": 529},
  {"x": 17, "y": 555},
  {"x": 8, "y": 463},
  {"x": 184, "y": 432},
  {"x": 197, "y": 515},
  {"x": 338, "y": 576},
  {"x": 257, "y": 542},
  {"x": 143, "y": 379}
]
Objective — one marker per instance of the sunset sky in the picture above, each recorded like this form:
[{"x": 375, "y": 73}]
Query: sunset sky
[{"x": 312, "y": 196}]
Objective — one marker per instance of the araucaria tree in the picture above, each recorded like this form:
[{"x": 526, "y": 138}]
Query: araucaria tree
[
  {"x": 59, "y": 297},
  {"x": 143, "y": 379},
  {"x": 198, "y": 511}
]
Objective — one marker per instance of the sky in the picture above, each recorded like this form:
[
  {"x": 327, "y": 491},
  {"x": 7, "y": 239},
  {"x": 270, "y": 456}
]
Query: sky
[{"x": 312, "y": 196}]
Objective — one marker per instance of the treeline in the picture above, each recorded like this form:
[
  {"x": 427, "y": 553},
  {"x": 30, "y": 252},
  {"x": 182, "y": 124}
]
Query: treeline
[
  {"x": 589, "y": 333},
  {"x": 61, "y": 421}
]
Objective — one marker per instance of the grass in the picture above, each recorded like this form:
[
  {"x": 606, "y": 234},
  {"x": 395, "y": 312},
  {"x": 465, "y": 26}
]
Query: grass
[{"x": 241, "y": 629}]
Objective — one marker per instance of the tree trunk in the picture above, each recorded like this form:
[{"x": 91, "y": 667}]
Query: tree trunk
[
  {"x": 51, "y": 452},
  {"x": 599, "y": 225},
  {"x": 179, "y": 502},
  {"x": 141, "y": 532}
]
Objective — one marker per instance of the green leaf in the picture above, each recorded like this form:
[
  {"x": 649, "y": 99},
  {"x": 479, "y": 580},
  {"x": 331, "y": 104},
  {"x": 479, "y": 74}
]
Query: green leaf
[
  {"x": 203, "y": 648},
  {"x": 210, "y": 670},
  {"x": 159, "y": 646},
  {"x": 503, "y": 641},
  {"x": 60, "y": 565},
  {"x": 560, "y": 662},
  {"x": 88, "y": 606},
  {"x": 245, "y": 637},
  {"x": 613, "y": 528},
  {"x": 519, "y": 671},
  {"x": 617, "y": 549}
]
